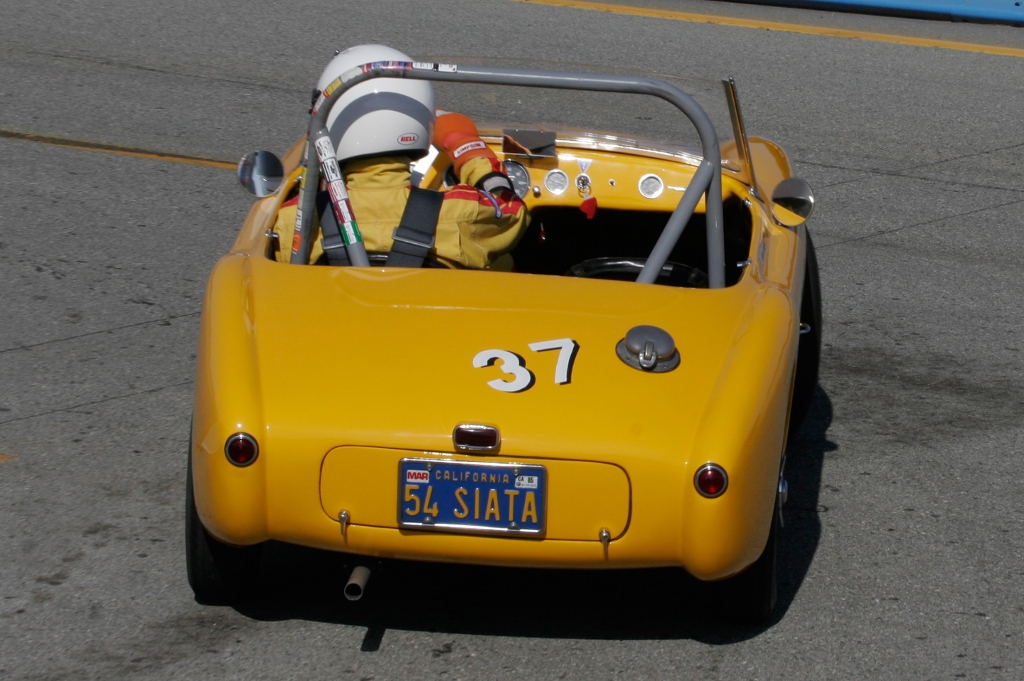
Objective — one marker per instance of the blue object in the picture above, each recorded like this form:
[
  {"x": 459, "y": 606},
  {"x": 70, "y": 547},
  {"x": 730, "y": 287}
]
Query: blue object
[
  {"x": 472, "y": 497},
  {"x": 988, "y": 11}
]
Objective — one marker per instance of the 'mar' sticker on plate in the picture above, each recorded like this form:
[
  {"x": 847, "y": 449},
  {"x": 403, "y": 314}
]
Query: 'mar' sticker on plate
[
  {"x": 417, "y": 476},
  {"x": 525, "y": 482}
]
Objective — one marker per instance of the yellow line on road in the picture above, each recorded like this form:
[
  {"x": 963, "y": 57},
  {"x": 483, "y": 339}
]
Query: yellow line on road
[
  {"x": 7, "y": 457},
  {"x": 783, "y": 27},
  {"x": 115, "y": 149}
]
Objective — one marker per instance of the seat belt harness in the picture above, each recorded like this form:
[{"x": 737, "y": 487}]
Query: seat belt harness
[
  {"x": 333, "y": 244},
  {"x": 414, "y": 236}
]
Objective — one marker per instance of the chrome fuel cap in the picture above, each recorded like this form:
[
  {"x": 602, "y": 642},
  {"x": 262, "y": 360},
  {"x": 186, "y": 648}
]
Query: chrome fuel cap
[{"x": 648, "y": 348}]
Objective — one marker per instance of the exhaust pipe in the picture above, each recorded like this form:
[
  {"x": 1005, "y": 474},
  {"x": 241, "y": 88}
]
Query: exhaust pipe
[{"x": 357, "y": 583}]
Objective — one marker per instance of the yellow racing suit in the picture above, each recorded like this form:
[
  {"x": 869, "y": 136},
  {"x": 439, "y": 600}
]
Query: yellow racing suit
[{"x": 474, "y": 229}]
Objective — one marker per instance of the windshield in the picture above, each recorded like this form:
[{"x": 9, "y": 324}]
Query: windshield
[{"x": 592, "y": 119}]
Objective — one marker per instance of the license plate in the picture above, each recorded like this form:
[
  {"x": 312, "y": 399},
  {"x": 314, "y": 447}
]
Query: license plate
[{"x": 472, "y": 497}]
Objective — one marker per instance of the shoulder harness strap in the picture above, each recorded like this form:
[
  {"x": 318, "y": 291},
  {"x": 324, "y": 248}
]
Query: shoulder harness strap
[
  {"x": 414, "y": 236},
  {"x": 334, "y": 246}
]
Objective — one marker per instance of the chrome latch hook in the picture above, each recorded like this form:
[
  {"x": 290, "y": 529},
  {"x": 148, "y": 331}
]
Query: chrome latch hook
[{"x": 648, "y": 357}]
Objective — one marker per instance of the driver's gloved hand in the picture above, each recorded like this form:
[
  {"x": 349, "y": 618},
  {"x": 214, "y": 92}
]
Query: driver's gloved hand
[{"x": 456, "y": 135}]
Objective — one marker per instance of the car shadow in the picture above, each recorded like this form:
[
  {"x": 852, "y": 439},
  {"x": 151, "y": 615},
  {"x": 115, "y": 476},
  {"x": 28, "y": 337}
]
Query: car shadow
[
  {"x": 301, "y": 583},
  {"x": 801, "y": 533}
]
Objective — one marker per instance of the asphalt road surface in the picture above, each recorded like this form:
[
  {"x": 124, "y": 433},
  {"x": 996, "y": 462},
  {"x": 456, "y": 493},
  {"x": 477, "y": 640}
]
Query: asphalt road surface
[{"x": 902, "y": 549}]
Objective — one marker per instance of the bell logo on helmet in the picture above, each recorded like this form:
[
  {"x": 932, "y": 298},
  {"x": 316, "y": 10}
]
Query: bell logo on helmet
[{"x": 408, "y": 138}]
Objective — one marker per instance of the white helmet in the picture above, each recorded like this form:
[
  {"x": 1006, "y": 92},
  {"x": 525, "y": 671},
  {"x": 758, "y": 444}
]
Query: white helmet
[{"x": 383, "y": 115}]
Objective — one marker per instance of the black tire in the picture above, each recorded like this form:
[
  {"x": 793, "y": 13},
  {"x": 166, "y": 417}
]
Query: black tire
[
  {"x": 750, "y": 597},
  {"x": 218, "y": 573},
  {"x": 809, "y": 351}
]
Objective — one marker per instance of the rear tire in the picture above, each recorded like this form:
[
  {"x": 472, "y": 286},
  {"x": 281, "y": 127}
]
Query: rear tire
[
  {"x": 809, "y": 351},
  {"x": 218, "y": 573},
  {"x": 750, "y": 597}
]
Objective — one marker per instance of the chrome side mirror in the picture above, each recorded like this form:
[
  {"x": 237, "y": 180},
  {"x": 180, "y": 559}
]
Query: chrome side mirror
[
  {"x": 260, "y": 173},
  {"x": 792, "y": 202}
]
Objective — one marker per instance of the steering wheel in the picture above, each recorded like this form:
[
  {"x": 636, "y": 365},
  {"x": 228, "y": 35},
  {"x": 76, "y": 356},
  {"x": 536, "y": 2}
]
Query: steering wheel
[{"x": 628, "y": 269}]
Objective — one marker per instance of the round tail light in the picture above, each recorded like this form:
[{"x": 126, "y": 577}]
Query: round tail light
[
  {"x": 241, "y": 449},
  {"x": 711, "y": 480}
]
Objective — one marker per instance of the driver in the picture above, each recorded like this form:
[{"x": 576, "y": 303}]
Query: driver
[{"x": 378, "y": 128}]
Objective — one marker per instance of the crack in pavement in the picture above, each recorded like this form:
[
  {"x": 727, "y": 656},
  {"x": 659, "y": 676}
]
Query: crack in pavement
[
  {"x": 918, "y": 224},
  {"x": 151, "y": 69},
  {"x": 95, "y": 402},
  {"x": 94, "y": 333},
  {"x": 906, "y": 174},
  {"x": 959, "y": 158},
  {"x": 957, "y": 183}
]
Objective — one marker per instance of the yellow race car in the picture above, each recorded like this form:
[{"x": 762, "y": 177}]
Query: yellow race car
[{"x": 621, "y": 398}]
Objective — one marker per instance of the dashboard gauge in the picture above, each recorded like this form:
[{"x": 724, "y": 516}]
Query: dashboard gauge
[
  {"x": 651, "y": 186},
  {"x": 556, "y": 181},
  {"x": 449, "y": 179},
  {"x": 520, "y": 177}
]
